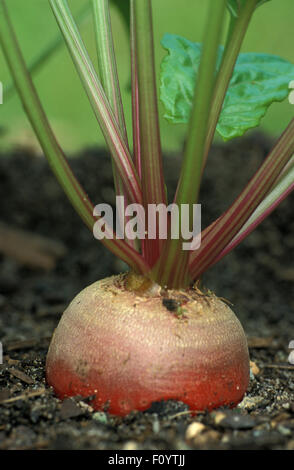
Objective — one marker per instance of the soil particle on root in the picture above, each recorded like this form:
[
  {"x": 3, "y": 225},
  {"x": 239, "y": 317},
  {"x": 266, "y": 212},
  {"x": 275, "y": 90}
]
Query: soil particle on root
[{"x": 257, "y": 278}]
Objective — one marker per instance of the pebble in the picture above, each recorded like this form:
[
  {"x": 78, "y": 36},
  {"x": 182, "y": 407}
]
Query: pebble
[
  {"x": 250, "y": 403},
  {"x": 86, "y": 407},
  {"x": 156, "y": 426},
  {"x": 283, "y": 430},
  {"x": 130, "y": 445},
  {"x": 231, "y": 420},
  {"x": 100, "y": 417},
  {"x": 70, "y": 409},
  {"x": 254, "y": 368},
  {"x": 193, "y": 430}
]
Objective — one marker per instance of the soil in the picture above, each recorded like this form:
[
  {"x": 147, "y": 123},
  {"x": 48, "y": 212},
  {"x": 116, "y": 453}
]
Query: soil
[{"x": 257, "y": 278}]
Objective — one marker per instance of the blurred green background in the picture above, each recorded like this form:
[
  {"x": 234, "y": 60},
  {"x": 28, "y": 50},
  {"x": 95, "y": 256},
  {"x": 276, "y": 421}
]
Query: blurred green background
[{"x": 63, "y": 97}]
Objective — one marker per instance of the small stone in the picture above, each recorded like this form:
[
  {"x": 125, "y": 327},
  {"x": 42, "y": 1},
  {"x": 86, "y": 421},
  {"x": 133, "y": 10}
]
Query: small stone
[
  {"x": 284, "y": 431},
  {"x": 70, "y": 409},
  {"x": 226, "y": 438},
  {"x": 86, "y": 407},
  {"x": 232, "y": 420},
  {"x": 253, "y": 367},
  {"x": 193, "y": 430},
  {"x": 219, "y": 417},
  {"x": 130, "y": 445},
  {"x": 156, "y": 426},
  {"x": 250, "y": 403},
  {"x": 171, "y": 304},
  {"x": 100, "y": 417}
]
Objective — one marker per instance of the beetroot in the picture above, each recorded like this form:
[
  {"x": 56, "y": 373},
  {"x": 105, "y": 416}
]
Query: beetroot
[
  {"x": 130, "y": 340},
  {"x": 129, "y": 348}
]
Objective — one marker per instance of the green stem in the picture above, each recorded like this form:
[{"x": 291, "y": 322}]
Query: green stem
[
  {"x": 99, "y": 102},
  {"x": 170, "y": 270},
  {"x": 37, "y": 117},
  {"x": 283, "y": 187},
  {"x": 152, "y": 180},
  {"x": 237, "y": 30},
  {"x": 231, "y": 28},
  {"x": 224, "y": 229},
  {"x": 107, "y": 62},
  {"x": 135, "y": 92},
  {"x": 49, "y": 144},
  {"x": 109, "y": 78}
]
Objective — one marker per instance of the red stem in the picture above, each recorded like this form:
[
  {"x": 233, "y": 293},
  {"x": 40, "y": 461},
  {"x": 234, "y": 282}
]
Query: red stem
[{"x": 227, "y": 226}]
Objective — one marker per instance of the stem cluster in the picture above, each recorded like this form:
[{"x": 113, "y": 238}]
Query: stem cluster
[{"x": 138, "y": 175}]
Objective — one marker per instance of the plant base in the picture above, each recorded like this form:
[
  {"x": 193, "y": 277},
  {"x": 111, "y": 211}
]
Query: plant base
[{"x": 130, "y": 347}]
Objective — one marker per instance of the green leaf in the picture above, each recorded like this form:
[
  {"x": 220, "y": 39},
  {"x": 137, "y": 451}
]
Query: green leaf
[
  {"x": 178, "y": 75},
  {"x": 258, "y": 80},
  {"x": 234, "y": 6}
]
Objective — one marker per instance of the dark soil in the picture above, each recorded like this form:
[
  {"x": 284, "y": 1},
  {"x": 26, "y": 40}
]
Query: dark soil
[{"x": 257, "y": 278}]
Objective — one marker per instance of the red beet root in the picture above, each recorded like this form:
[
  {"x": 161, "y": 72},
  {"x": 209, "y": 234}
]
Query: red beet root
[{"x": 130, "y": 348}]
